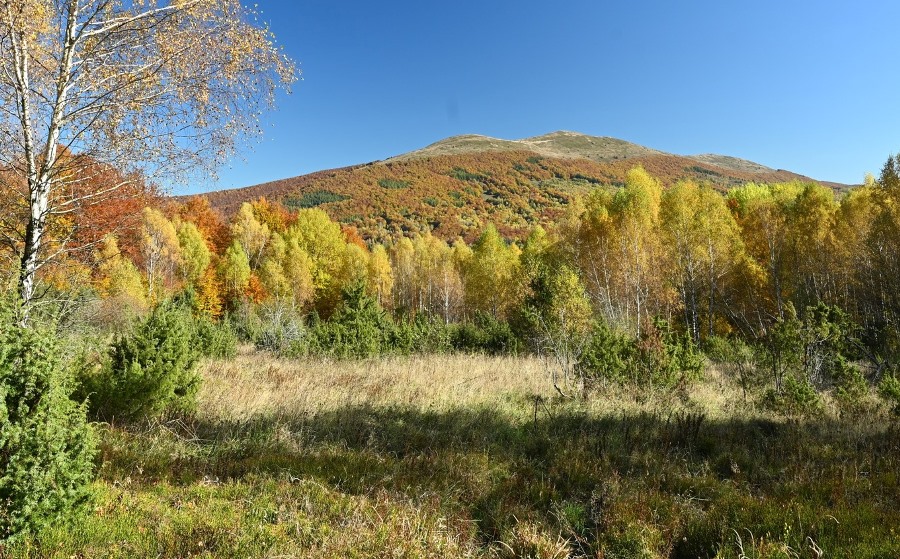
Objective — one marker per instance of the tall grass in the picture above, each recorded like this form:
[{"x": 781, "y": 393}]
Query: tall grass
[
  {"x": 471, "y": 456},
  {"x": 258, "y": 384}
]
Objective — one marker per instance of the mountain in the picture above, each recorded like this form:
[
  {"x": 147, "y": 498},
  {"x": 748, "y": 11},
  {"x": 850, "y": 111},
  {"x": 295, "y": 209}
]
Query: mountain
[{"x": 456, "y": 186}]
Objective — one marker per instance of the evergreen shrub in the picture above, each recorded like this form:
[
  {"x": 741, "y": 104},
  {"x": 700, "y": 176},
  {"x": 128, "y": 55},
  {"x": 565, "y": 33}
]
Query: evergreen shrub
[
  {"x": 151, "y": 371},
  {"x": 47, "y": 447},
  {"x": 889, "y": 390},
  {"x": 660, "y": 357},
  {"x": 485, "y": 334},
  {"x": 609, "y": 356},
  {"x": 359, "y": 329},
  {"x": 215, "y": 339},
  {"x": 797, "y": 397}
]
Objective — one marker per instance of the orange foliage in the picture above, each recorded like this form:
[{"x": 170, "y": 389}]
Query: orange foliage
[
  {"x": 198, "y": 211},
  {"x": 351, "y": 236},
  {"x": 255, "y": 290},
  {"x": 458, "y": 195},
  {"x": 91, "y": 201},
  {"x": 272, "y": 214}
]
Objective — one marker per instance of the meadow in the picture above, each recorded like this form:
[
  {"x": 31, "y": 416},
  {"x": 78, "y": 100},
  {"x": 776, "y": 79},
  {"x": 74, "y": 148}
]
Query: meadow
[{"x": 475, "y": 456}]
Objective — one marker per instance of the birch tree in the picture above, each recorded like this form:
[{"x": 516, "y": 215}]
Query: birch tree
[
  {"x": 161, "y": 88},
  {"x": 703, "y": 245},
  {"x": 160, "y": 249},
  {"x": 635, "y": 213},
  {"x": 492, "y": 274}
]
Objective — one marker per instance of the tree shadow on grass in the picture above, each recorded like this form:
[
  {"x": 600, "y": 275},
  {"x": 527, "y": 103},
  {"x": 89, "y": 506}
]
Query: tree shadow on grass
[{"x": 579, "y": 473}]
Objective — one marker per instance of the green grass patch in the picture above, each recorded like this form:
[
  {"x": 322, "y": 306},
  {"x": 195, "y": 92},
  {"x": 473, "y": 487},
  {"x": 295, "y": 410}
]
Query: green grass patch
[
  {"x": 313, "y": 199},
  {"x": 393, "y": 184}
]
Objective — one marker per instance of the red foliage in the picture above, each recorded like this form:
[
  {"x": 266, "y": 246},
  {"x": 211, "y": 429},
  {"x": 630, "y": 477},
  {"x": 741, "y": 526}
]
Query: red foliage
[{"x": 89, "y": 201}]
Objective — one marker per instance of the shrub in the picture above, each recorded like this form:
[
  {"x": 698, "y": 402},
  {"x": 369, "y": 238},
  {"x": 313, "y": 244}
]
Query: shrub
[
  {"x": 46, "y": 445},
  {"x": 829, "y": 337},
  {"x": 665, "y": 358},
  {"x": 851, "y": 387},
  {"x": 608, "y": 356},
  {"x": 273, "y": 326},
  {"x": 215, "y": 339},
  {"x": 212, "y": 338},
  {"x": 152, "y": 369},
  {"x": 782, "y": 347},
  {"x": 814, "y": 352},
  {"x": 889, "y": 390},
  {"x": 797, "y": 397},
  {"x": 359, "y": 329},
  {"x": 424, "y": 334},
  {"x": 661, "y": 357},
  {"x": 485, "y": 334}
]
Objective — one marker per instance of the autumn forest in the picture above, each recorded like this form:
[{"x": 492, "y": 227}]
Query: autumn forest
[{"x": 564, "y": 346}]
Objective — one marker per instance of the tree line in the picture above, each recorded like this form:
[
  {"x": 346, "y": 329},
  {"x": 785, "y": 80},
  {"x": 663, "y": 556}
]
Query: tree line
[{"x": 713, "y": 264}]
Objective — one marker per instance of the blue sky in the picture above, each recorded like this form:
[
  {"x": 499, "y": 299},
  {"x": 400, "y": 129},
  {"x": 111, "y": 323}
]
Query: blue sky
[{"x": 809, "y": 86}]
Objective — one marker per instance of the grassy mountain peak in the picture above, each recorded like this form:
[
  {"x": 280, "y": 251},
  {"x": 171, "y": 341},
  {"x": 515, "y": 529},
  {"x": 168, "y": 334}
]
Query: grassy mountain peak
[{"x": 562, "y": 144}]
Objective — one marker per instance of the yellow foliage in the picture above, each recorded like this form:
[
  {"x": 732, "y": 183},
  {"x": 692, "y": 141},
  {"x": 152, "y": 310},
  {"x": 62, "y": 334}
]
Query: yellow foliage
[
  {"x": 286, "y": 271},
  {"x": 252, "y": 235},
  {"x": 381, "y": 276},
  {"x": 118, "y": 277},
  {"x": 160, "y": 249},
  {"x": 209, "y": 294},
  {"x": 195, "y": 253},
  {"x": 491, "y": 277}
]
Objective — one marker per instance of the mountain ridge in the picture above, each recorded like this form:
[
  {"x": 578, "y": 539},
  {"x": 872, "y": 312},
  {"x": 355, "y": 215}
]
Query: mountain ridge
[
  {"x": 566, "y": 143},
  {"x": 561, "y": 143}
]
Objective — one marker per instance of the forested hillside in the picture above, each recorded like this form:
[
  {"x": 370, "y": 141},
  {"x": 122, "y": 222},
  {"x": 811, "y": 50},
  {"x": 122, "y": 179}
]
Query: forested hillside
[{"x": 456, "y": 187}]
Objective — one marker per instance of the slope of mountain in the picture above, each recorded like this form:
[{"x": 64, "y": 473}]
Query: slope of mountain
[
  {"x": 732, "y": 163},
  {"x": 456, "y": 186}
]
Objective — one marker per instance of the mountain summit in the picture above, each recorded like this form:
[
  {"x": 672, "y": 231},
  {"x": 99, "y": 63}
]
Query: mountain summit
[
  {"x": 566, "y": 144},
  {"x": 563, "y": 144}
]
